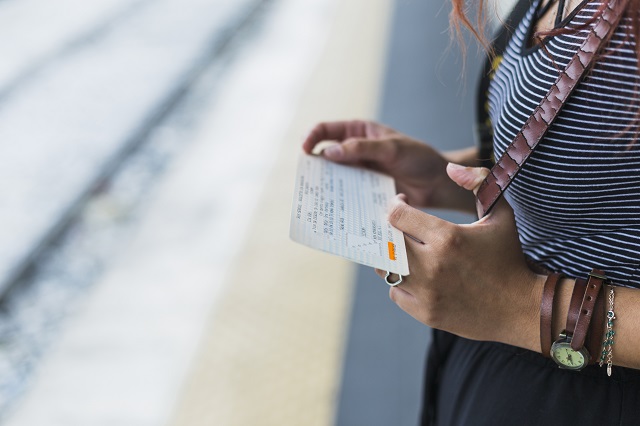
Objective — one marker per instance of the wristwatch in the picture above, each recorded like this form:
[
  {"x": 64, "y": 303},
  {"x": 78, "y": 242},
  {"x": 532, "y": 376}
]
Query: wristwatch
[
  {"x": 561, "y": 351},
  {"x": 569, "y": 350},
  {"x": 565, "y": 356}
]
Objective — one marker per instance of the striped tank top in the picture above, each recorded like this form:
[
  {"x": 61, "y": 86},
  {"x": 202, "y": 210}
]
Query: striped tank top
[{"x": 577, "y": 200}]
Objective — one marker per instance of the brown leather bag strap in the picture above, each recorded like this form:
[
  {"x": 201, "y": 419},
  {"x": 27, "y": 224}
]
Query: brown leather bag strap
[{"x": 534, "y": 129}]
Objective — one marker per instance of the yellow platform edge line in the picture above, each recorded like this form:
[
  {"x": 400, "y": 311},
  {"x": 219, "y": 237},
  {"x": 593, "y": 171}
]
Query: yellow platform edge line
[{"x": 273, "y": 348}]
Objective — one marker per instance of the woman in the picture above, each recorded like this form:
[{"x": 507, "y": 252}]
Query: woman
[{"x": 575, "y": 206}]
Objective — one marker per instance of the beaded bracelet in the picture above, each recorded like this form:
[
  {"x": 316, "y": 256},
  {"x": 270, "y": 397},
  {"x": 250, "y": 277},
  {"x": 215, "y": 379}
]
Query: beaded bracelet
[{"x": 607, "y": 351}]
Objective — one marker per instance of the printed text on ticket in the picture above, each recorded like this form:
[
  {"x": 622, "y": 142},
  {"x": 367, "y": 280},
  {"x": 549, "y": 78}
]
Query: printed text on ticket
[{"x": 343, "y": 210}]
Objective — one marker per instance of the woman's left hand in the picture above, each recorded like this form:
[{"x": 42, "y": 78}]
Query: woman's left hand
[{"x": 471, "y": 280}]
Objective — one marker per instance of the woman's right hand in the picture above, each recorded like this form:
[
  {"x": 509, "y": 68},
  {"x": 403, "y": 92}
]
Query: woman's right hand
[{"x": 418, "y": 169}]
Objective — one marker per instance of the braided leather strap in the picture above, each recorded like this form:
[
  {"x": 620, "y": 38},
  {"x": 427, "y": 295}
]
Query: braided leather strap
[{"x": 534, "y": 129}]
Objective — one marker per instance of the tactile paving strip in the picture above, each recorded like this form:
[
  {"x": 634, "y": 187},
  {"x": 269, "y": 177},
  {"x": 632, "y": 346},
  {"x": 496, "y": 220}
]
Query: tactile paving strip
[
  {"x": 272, "y": 355},
  {"x": 272, "y": 352}
]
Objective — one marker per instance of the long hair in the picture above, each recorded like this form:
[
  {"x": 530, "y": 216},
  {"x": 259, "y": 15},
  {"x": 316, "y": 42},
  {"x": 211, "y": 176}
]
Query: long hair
[{"x": 459, "y": 19}]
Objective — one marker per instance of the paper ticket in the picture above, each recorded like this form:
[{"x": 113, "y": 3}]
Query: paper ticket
[{"x": 343, "y": 210}]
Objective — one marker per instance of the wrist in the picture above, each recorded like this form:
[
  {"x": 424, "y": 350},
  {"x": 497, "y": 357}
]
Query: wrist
[
  {"x": 521, "y": 318},
  {"x": 561, "y": 305}
]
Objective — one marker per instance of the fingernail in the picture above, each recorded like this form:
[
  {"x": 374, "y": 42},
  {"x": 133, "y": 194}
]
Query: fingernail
[
  {"x": 455, "y": 166},
  {"x": 334, "y": 152}
]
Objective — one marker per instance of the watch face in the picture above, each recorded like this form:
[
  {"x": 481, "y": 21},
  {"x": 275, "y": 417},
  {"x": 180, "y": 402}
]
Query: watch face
[{"x": 566, "y": 357}]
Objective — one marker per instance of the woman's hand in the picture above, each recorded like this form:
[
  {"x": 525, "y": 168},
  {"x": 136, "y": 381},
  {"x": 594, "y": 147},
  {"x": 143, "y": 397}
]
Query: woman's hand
[
  {"x": 471, "y": 280},
  {"x": 418, "y": 169}
]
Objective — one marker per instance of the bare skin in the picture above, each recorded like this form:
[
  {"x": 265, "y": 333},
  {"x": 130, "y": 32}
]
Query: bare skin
[
  {"x": 418, "y": 169},
  {"x": 547, "y": 21},
  {"x": 492, "y": 295}
]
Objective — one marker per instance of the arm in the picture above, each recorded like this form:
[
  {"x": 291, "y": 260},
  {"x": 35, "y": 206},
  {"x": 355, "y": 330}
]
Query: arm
[
  {"x": 473, "y": 280},
  {"x": 626, "y": 350},
  {"x": 526, "y": 330}
]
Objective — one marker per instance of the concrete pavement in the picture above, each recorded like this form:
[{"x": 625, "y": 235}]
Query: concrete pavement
[{"x": 210, "y": 316}]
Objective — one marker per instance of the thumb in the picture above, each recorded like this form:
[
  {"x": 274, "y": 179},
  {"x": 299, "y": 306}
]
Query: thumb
[
  {"x": 471, "y": 178},
  {"x": 468, "y": 178}
]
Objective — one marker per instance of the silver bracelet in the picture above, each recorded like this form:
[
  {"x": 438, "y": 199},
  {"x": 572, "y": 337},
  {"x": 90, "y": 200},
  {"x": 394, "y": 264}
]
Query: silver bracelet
[{"x": 607, "y": 345}]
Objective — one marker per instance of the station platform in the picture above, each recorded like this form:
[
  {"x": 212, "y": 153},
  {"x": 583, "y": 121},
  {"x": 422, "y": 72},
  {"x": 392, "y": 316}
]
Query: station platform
[{"x": 209, "y": 314}]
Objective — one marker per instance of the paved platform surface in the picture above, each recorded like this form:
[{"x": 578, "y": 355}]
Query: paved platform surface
[
  {"x": 426, "y": 95},
  {"x": 210, "y": 315},
  {"x": 273, "y": 350}
]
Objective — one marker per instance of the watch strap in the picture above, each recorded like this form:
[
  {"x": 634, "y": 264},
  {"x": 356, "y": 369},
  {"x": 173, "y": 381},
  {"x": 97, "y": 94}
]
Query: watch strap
[
  {"x": 546, "y": 312},
  {"x": 585, "y": 313},
  {"x": 595, "y": 336},
  {"x": 574, "y": 305}
]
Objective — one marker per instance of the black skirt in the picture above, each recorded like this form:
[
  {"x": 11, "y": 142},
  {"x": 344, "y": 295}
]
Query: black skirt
[{"x": 484, "y": 383}]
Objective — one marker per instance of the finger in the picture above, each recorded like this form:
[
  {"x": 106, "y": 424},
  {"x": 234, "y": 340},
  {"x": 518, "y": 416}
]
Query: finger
[
  {"x": 413, "y": 221},
  {"x": 320, "y": 147},
  {"x": 417, "y": 240},
  {"x": 380, "y": 272},
  {"x": 333, "y": 131},
  {"x": 404, "y": 198},
  {"x": 405, "y": 300},
  {"x": 469, "y": 178},
  {"x": 356, "y": 150}
]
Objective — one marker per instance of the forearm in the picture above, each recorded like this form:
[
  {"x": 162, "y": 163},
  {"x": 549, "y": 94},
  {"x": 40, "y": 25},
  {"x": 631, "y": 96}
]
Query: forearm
[{"x": 526, "y": 333}]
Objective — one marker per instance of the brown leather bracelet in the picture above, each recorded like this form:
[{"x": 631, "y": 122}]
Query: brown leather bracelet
[
  {"x": 574, "y": 305},
  {"x": 546, "y": 313},
  {"x": 595, "y": 336},
  {"x": 585, "y": 313},
  {"x": 577, "y": 294}
]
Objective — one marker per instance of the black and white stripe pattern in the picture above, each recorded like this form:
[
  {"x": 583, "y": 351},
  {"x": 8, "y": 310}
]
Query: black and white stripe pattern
[{"x": 577, "y": 200}]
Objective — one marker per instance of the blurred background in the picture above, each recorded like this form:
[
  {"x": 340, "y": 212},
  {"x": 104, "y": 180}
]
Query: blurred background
[{"x": 147, "y": 164}]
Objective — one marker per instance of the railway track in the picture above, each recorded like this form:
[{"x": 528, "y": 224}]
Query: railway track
[{"x": 69, "y": 225}]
